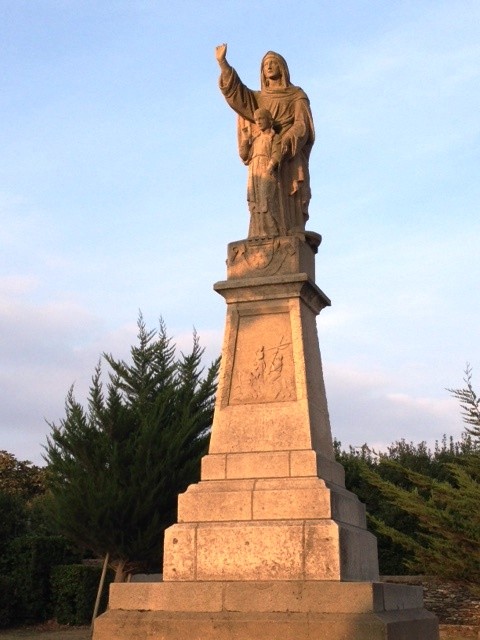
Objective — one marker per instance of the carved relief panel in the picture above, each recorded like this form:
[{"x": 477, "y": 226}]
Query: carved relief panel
[{"x": 263, "y": 368}]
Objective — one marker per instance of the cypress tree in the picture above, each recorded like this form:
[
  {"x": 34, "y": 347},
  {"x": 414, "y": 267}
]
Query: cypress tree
[
  {"x": 469, "y": 403},
  {"x": 115, "y": 468}
]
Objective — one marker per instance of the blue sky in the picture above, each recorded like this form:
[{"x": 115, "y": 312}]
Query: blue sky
[{"x": 120, "y": 187}]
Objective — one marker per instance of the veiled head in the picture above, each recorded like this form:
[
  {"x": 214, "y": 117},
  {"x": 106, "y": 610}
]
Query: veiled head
[{"x": 274, "y": 60}]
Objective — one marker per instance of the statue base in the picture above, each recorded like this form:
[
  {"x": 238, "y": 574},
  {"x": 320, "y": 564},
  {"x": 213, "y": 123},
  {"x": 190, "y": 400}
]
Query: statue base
[
  {"x": 290, "y": 610},
  {"x": 269, "y": 544}
]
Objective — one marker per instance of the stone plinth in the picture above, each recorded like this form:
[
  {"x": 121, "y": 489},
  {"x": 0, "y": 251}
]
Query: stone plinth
[
  {"x": 269, "y": 544},
  {"x": 260, "y": 257},
  {"x": 269, "y": 529},
  {"x": 293, "y": 610},
  {"x": 272, "y": 503}
]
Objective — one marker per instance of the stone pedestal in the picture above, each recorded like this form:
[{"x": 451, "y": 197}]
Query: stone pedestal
[
  {"x": 269, "y": 544},
  {"x": 277, "y": 610}
]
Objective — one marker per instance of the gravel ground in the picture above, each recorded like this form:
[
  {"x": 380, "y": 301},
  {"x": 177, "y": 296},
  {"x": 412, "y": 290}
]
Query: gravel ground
[{"x": 46, "y": 632}]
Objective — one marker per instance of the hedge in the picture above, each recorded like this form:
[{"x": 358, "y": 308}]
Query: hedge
[
  {"x": 31, "y": 559},
  {"x": 7, "y": 600},
  {"x": 74, "y": 590}
]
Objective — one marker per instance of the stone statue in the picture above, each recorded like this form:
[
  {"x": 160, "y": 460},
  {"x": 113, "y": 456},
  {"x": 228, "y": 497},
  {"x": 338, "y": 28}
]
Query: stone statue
[
  {"x": 262, "y": 153},
  {"x": 292, "y": 121}
]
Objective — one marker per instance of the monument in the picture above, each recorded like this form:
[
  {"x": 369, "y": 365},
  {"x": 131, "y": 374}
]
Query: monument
[{"x": 269, "y": 545}]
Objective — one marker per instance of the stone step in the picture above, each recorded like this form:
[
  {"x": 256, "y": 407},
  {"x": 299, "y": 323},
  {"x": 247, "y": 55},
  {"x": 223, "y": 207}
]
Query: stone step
[
  {"x": 265, "y": 596},
  {"x": 270, "y": 550},
  {"x": 269, "y": 499},
  {"x": 291, "y": 610}
]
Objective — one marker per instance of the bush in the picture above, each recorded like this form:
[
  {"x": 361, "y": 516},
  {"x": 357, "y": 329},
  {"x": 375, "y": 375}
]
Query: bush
[
  {"x": 74, "y": 590},
  {"x": 7, "y": 600},
  {"x": 31, "y": 559}
]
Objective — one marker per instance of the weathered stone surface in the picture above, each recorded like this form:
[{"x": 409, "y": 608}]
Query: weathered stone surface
[
  {"x": 304, "y": 463},
  {"x": 154, "y": 625},
  {"x": 214, "y": 467},
  {"x": 219, "y": 504},
  {"x": 257, "y": 258},
  {"x": 253, "y": 551},
  {"x": 452, "y": 602},
  {"x": 167, "y": 596},
  {"x": 257, "y": 610},
  {"x": 302, "y": 596},
  {"x": 269, "y": 499},
  {"x": 305, "y": 498},
  {"x": 181, "y": 543},
  {"x": 119, "y": 624},
  {"x": 270, "y": 550},
  {"x": 271, "y": 395},
  {"x": 272, "y": 464}
]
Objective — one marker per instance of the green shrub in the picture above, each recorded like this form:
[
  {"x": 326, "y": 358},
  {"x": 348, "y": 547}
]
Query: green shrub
[
  {"x": 31, "y": 559},
  {"x": 7, "y": 600},
  {"x": 74, "y": 590}
]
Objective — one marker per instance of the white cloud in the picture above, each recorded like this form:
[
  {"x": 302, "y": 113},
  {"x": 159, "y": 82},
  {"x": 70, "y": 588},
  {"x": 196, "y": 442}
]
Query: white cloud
[
  {"x": 16, "y": 285},
  {"x": 372, "y": 406},
  {"x": 47, "y": 347}
]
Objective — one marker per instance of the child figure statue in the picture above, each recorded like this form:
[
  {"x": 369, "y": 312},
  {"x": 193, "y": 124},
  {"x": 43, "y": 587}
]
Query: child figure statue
[{"x": 261, "y": 151}]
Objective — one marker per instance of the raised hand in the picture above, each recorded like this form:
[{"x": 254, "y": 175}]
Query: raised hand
[{"x": 221, "y": 53}]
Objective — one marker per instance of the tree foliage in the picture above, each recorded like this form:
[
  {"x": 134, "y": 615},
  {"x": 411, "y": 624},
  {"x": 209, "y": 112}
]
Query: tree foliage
[
  {"x": 423, "y": 505},
  {"x": 27, "y": 550},
  {"x": 446, "y": 538},
  {"x": 20, "y": 477},
  {"x": 362, "y": 464},
  {"x": 469, "y": 403},
  {"x": 22, "y": 488},
  {"x": 117, "y": 466}
]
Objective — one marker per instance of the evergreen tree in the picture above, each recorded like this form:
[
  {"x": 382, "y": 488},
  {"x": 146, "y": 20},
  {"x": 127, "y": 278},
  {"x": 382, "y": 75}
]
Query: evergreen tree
[
  {"x": 379, "y": 479},
  {"x": 446, "y": 539},
  {"x": 438, "y": 494},
  {"x": 469, "y": 403},
  {"x": 116, "y": 467}
]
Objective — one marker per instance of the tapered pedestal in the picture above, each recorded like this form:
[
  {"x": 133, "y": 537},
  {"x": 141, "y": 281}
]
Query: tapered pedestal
[
  {"x": 269, "y": 544},
  {"x": 272, "y": 503}
]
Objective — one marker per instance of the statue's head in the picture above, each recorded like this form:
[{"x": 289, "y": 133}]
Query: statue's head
[
  {"x": 274, "y": 67},
  {"x": 263, "y": 118}
]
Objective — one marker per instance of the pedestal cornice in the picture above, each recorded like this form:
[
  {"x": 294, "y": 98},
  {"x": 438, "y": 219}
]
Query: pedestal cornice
[{"x": 298, "y": 285}]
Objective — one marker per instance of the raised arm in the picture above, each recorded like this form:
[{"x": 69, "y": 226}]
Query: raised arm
[
  {"x": 221, "y": 56},
  {"x": 239, "y": 97}
]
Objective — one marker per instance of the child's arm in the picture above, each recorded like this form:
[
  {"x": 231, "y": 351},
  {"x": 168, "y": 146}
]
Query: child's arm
[
  {"x": 245, "y": 145},
  {"x": 276, "y": 155}
]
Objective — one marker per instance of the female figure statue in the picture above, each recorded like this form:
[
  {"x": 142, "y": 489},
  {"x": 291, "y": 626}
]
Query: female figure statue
[{"x": 292, "y": 120}]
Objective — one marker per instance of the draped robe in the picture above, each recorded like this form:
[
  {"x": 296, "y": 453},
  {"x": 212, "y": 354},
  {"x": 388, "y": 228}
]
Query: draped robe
[{"x": 290, "y": 109}]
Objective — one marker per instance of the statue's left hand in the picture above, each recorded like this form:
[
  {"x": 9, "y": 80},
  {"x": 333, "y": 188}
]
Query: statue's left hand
[{"x": 286, "y": 147}]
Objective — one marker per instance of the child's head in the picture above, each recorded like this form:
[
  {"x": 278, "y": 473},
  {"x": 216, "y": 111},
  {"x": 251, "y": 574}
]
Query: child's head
[{"x": 263, "y": 119}]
